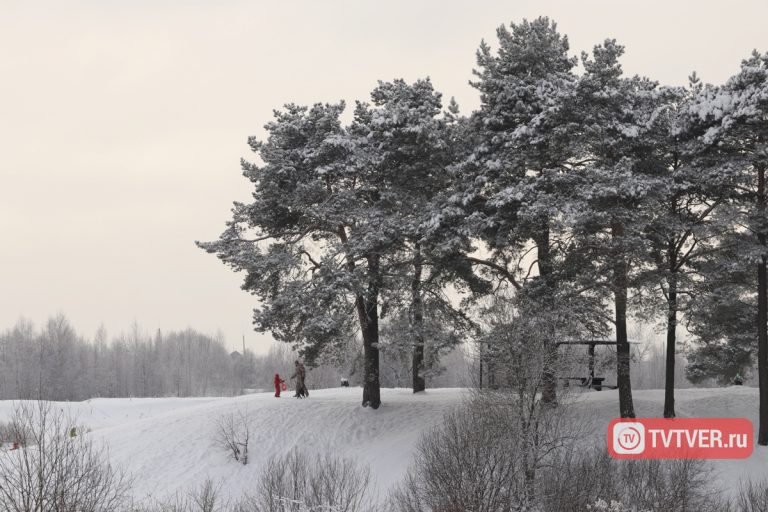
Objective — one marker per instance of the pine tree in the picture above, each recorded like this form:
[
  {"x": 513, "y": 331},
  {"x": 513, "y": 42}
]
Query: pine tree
[
  {"x": 681, "y": 227},
  {"x": 312, "y": 240},
  {"x": 615, "y": 184},
  {"x": 733, "y": 121},
  {"x": 518, "y": 176},
  {"x": 405, "y": 154}
]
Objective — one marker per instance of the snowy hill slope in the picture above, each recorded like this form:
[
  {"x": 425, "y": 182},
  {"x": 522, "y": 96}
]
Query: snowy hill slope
[{"x": 169, "y": 444}]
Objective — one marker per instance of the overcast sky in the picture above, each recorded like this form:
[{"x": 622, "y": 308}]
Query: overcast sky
[{"x": 122, "y": 123}]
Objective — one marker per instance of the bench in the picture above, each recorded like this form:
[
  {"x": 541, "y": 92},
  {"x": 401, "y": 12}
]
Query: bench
[{"x": 595, "y": 383}]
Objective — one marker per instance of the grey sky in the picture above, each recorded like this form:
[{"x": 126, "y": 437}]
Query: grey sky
[{"x": 122, "y": 124}]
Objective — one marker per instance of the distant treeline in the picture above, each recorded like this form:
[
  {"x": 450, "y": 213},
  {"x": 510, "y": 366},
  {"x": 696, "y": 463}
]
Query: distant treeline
[{"x": 55, "y": 362}]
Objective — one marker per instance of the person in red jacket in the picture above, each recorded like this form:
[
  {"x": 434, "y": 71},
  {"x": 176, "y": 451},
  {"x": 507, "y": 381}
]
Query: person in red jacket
[{"x": 278, "y": 384}]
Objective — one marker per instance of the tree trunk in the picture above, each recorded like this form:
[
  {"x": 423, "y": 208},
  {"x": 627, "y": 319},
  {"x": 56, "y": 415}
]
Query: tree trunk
[
  {"x": 368, "y": 313},
  {"x": 549, "y": 377},
  {"x": 417, "y": 319},
  {"x": 480, "y": 359},
  {"x": 620, "y": 271},
  {"x": 762, "y": 314},
  {"x": 367, "y": 307},
  {"x": 530, "y": 428},
  {"x": 669, "y": 376},
  {"x": 530, "y": 485}
]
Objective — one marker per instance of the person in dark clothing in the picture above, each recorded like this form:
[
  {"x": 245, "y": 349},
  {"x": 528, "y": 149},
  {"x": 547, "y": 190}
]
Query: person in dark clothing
[{"x": 300, "y": 374}]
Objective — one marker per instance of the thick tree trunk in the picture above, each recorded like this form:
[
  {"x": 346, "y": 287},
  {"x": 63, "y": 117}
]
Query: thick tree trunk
[
  {"x": 669, "y": 376},
  {"x": 417, "y": 319},
  {"x": 367, "y": 307},
  {"x": 368, "y": 312},
  {"x": 371, "y": 389},
  {"x": 620, "y": 284},
  {"x": 549, "y": 377},
  {"x": 762, "y": 348},
  {"x": 762, "y": 315}
]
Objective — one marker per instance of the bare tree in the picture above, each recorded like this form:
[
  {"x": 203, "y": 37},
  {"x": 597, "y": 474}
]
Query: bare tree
[
  {"x": 233, "y": 433},
  {"x": 55, "y": 472}
]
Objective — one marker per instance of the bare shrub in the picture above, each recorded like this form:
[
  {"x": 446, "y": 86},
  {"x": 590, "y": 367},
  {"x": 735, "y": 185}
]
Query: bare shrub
[
  {"x": 613, "y": 506},
  {"x": 578, "y": 479},
  {"x": 206, "y": 498},
  {"x": 466, "y": 463},
  {"x": 298, "y": 482},
  {"x": 14, "y": 432},
  {"x": 233, "y": 434},
  {"x": 752, "y": 497},
  {"x": 483, "y": 458},
  {"x": 54, "y": 472}
]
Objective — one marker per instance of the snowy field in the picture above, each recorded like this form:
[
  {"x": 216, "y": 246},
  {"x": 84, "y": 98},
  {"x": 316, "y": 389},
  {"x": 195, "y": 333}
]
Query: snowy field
[{"x": 169, "y": 444}]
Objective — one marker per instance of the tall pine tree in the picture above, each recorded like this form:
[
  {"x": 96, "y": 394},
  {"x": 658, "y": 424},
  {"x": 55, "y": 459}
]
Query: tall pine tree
[
  {"x": 615, "y": 184},
  {"x": 519, "y": 174},
  {"x": 312, "y": 240},
  {"x": 733, "y": 122},
  {"x": 405, "y": 153}
]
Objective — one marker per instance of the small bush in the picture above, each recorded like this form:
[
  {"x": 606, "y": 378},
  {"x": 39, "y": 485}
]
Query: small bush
[
  {"x": 295, "y": 482},
  {"x": 233, "y": 434},
  {"x": 298, "y": 482},
  {"x": 577, "y": 480},
  {"x": 206, "y": 498},
  {"x": 466, "y": 463},
  {"x": 14, "y": 432},
  {"x": 613, "y": 506},
  {"x": 752, "y": 497}
]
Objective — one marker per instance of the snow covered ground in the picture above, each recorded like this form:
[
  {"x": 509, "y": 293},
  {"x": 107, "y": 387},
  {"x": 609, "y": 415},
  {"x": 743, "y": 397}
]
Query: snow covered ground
[{"x": 169, "y": 444}]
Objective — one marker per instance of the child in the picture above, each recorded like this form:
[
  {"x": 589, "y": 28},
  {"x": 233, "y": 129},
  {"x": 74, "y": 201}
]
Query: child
[{"x": 278, "y": 384}]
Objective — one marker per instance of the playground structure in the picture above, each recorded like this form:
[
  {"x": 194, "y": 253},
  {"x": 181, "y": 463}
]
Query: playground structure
[{"x": 590, "y": 381}]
